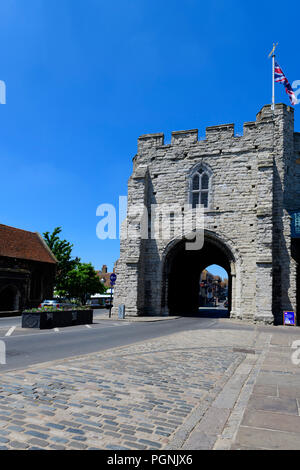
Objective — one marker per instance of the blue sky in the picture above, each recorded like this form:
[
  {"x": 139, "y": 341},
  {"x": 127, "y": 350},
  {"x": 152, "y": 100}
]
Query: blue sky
[
  {"x": 85, "y": 78},
  {"x": 215, "y": 269}
]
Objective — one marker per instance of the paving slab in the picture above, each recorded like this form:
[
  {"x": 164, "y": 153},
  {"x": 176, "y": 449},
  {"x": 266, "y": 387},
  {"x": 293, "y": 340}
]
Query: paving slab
[
  {"x": 280, "y": 405},
  {"x": 266, "y": 390},
  {"x": 291, "y": 391},
  {"x": 278, "y": 379},
  {"x": 273, "y": 421},
  {"x": 265, "y": 439}
]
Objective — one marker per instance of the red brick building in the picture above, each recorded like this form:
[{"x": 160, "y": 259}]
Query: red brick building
[
  {"x": 104, "y": 276},
  {"x": 27, "y": 269}
]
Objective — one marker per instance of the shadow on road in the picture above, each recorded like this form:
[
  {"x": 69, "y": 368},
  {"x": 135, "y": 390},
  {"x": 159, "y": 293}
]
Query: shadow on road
[{"x": 209, "y": 313}]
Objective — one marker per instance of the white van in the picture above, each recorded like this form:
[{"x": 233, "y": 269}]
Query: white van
[{"x": 101, "y": 301}]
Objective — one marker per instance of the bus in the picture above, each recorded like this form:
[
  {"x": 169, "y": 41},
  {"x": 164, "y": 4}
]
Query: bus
[{"x": 99, "y": 301}]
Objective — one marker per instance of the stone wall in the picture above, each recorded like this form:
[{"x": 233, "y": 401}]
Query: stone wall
[{"x": 254, "y": 183}]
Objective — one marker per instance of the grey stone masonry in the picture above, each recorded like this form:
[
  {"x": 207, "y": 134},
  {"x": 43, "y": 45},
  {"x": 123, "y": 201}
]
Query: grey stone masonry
[{"x": 253, "y": 185}]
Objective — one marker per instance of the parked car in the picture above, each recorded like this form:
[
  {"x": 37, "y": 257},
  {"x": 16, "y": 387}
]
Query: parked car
[{"x": 58, "y": 303}]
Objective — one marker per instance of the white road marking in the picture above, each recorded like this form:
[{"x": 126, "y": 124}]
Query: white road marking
[
  {"x": 88, "y": 326},
  {"x": 10, "y": 331},
  {"x": 103, "y": 325}
]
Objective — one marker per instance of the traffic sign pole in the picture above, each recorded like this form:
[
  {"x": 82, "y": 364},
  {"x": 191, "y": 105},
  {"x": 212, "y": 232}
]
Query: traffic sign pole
[
  {"x": 111, "y": 285},
  {"x": 113, "y": 278}
]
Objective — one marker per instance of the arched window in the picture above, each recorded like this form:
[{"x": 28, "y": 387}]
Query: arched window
[{"x": 200, "y": 187}]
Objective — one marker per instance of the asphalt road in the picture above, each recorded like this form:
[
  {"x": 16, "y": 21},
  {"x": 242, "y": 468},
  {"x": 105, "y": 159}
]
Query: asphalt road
[{"x": 28, "y": 347}]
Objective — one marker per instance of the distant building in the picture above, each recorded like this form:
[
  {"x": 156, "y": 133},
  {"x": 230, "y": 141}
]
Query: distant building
[
  {"x": 27, "y": 269},
  {"x": 211, "y": 288},
  {"x": 104, "y": 276},
  {"x": 224, "y": 287}
]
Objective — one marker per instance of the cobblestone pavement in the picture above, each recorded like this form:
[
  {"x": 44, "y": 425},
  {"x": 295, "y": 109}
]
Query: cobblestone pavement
[{"x": 188, "y": 390}]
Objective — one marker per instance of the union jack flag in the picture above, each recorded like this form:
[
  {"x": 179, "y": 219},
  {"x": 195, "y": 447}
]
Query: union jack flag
[{"x": 279, "y": 77}]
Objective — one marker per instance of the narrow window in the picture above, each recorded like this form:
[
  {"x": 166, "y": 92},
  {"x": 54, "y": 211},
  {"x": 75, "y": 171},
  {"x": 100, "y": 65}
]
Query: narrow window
[
  {"x": 200, "y": 188},
  {"x": 196, "y": 183}
]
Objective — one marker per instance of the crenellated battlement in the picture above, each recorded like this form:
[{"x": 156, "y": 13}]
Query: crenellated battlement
[
  {"x": 222, "y": 131},
  {"x": 219, "y": 132},
  {"x": 147, "y": 141},
  {"x": 186, "y": 137}
]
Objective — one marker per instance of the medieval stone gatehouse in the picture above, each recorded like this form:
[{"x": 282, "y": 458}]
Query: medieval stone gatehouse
[
  {"x": 27, "y": 269},
  {"x": 249, "y": 187}
]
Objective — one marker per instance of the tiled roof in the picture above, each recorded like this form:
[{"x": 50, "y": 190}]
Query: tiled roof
[
  {"x": 16, "y": 243},
  {"x": 104, "y": 275}
]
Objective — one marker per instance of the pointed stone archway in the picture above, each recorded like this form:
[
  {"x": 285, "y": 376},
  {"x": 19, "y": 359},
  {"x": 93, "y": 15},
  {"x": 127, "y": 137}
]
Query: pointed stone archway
[{"x": 182, "y": 269}]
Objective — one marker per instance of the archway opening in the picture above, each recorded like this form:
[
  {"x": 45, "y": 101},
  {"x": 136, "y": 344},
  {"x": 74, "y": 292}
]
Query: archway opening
[
  {"x": 182, "y": 275},
  {"x": 9, "y": 299},
  {"x": 213, "y": 292}
]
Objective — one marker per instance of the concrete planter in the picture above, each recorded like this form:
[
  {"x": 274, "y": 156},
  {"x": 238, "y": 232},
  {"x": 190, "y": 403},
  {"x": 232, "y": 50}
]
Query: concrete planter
[{"x": 59, "y": 318}]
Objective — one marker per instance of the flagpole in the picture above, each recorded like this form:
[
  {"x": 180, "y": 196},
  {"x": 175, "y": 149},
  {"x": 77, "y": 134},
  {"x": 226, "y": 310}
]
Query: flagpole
[
  {"x": 272, "y": 53},
  {"x": 273, "y": 82}
]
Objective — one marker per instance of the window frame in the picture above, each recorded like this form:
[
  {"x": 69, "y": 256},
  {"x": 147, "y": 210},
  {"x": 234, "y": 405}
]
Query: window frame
[{"x": 201, "y": 170}]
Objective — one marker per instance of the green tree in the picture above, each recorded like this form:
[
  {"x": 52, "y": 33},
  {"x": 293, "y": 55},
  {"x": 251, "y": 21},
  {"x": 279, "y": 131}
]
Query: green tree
[
  {"x": 83, "y": 281},
  {"x": 62, "y": 250}
]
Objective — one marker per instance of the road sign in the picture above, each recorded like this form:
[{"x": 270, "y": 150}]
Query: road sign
[
  {"x": 295, "y": 224},
  {"x": 113, "y": 278},
  {"x": 289, "y": 318}
]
